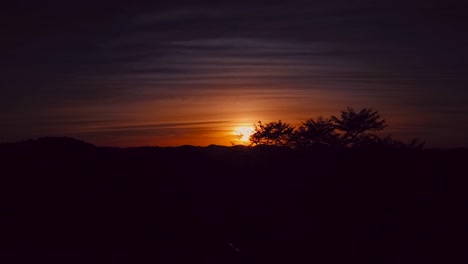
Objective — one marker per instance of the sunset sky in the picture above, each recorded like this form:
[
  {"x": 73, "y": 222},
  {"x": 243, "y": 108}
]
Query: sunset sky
[{"x": 169, "y": 73}]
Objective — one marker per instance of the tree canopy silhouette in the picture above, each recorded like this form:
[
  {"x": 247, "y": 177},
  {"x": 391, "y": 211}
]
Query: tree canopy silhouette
[
  {"x": 356, "y": 124},
  {"x": 351, "y": 129},
  {"x": 320, "y": 132},
  {"x": 272, "y": 134}
]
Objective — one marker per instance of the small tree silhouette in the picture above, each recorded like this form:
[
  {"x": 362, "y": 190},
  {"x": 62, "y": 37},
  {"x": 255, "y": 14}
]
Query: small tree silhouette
[
  {"x": 272, "y": 134},
  {"x": 320, "y": 132},
  {"x": 355, "y": 125}
]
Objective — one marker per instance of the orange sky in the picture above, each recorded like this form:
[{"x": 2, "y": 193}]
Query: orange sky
[{"x": 208, "y": 117}]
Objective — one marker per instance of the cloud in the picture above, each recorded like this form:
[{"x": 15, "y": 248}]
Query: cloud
[
  {"x": 180, "y": 14},
  {"x": 398, "y": 55},
  {"x": 162, "y": 126}
]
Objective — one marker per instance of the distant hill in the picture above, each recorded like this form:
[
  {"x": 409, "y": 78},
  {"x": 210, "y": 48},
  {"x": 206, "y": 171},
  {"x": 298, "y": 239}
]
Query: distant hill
[{"x": 50, "y": 142}]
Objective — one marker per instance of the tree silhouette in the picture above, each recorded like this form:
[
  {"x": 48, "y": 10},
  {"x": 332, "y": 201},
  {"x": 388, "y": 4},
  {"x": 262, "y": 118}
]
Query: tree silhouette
[
  {"x": 272, "y": 134},
  {"x": 355, "y": 128},
  {"x": 320, "y": 132},
  {"x": 356, "y": 124}
]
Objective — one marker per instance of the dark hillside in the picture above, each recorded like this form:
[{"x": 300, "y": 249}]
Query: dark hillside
[{"x": 67, "y": 201}]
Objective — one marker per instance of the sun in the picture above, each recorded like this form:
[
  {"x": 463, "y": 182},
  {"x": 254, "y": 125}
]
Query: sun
[{"x": 243, "y": 133}]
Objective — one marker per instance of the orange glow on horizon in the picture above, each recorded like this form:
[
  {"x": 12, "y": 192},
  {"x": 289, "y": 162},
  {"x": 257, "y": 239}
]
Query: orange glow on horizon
[{"x": 209, "y": 117}]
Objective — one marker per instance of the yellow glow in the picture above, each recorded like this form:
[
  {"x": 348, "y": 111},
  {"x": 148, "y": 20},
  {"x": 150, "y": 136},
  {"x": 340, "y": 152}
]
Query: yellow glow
[{"x": 243, "y": 133}]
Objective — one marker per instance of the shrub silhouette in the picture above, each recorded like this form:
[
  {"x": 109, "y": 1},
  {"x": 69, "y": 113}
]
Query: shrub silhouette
[{"x": 370, "y": 140}]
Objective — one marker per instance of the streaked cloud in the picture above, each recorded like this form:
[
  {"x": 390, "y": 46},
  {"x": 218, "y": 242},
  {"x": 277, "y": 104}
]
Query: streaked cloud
[{"x": 135, "y": 68}]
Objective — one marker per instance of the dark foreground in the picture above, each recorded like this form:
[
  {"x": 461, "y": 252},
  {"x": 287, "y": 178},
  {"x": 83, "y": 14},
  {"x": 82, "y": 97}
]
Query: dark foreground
[{"x": 64, "y": 201}]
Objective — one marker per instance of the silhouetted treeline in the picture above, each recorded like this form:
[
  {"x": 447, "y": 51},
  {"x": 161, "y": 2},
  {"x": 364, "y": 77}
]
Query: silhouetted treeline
[
  {"x": 351, "y": 129},
  {"x": 66, "y": 201}
]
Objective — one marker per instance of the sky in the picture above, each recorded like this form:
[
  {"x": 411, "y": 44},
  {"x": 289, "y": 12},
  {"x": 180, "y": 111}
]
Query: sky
[{"x": 170, "y": 73}]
